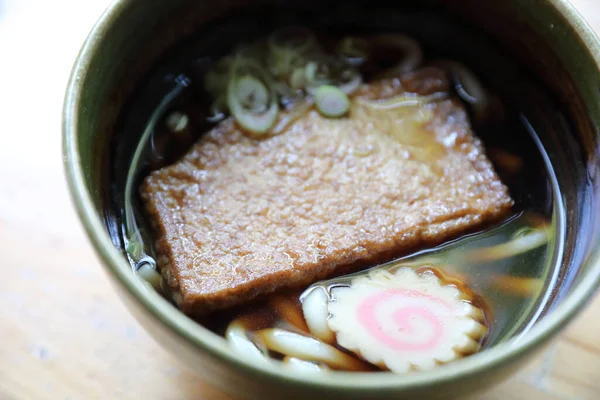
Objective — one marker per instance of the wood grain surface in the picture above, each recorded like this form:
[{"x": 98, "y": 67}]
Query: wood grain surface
[{"x": 64, "y": 334}]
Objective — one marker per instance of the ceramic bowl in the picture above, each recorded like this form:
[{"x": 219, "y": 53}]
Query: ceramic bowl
[{"x": 547, "y": 37}]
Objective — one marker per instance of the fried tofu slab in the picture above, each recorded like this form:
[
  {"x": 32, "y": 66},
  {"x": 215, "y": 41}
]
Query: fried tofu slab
[{"x": 239, "y": 217}]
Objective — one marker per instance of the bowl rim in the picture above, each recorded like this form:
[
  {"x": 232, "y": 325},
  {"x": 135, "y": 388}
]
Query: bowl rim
[{"x": 207, "y": 342}]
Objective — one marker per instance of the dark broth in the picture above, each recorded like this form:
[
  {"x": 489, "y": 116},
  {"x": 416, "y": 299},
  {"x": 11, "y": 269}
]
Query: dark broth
[{"x": 509, "y": 140}]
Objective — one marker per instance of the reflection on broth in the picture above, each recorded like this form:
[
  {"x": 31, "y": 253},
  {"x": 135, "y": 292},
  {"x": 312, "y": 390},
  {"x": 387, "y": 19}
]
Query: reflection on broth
[{"x": 320, "y": 200}]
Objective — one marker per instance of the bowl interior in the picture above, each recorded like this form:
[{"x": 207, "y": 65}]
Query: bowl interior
[{"x": 546, "y": 42}]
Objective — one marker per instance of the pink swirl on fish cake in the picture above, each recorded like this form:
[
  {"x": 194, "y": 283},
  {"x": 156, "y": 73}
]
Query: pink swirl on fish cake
[{"x": 365, "y": 313}]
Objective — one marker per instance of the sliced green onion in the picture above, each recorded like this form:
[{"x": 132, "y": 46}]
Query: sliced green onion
[
  {"x": 298, "y": 78},
  {"x": 177, "y": 121},
  {"x": 354, "y": 50},
  {"x": 286, "y": 94},
  {"x": 134, "y": 248},
  {"x": 287, "y": 48},
  {"x": 331, "y": 101},
  {"x": 331, "y": 71},
  {"x": 317, "y": 74},
  {"x": 252, "y": 94},
  {"x": 218, "y": 110},
  {"x": 250, "y": 98}
]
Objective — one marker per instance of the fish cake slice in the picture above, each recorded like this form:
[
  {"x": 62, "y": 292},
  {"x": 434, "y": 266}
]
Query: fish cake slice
[{"x": 405, "y": 321}]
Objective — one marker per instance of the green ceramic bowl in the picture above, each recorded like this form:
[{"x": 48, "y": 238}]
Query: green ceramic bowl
[{"x": 548, "y": 38}]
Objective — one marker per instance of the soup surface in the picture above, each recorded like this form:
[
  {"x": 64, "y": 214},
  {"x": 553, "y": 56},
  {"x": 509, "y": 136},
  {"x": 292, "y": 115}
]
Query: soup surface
[{"x": 504, "y": 269}]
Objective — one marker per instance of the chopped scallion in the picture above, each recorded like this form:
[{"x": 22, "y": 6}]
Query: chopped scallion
[{"x": 331, "y": 101}]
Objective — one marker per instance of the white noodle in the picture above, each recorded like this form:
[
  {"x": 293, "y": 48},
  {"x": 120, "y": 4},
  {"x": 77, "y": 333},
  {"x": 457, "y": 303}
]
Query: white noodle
[
  {"x": 150, "y": 275},
  {"x": 314, "y": 306},
  {"x": 515, "y": 247},
  {"x": 237, "y": 336},
  {"x": 303, "y": 366},
  {"x": 308, "y": 349}
]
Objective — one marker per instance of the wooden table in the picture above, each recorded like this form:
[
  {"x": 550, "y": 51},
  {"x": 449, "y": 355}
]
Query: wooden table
[{"x": 64, "y": 334}]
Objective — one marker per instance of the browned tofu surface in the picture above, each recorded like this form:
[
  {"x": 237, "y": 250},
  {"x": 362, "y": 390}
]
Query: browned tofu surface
[{"x": 238, "y": 217}]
